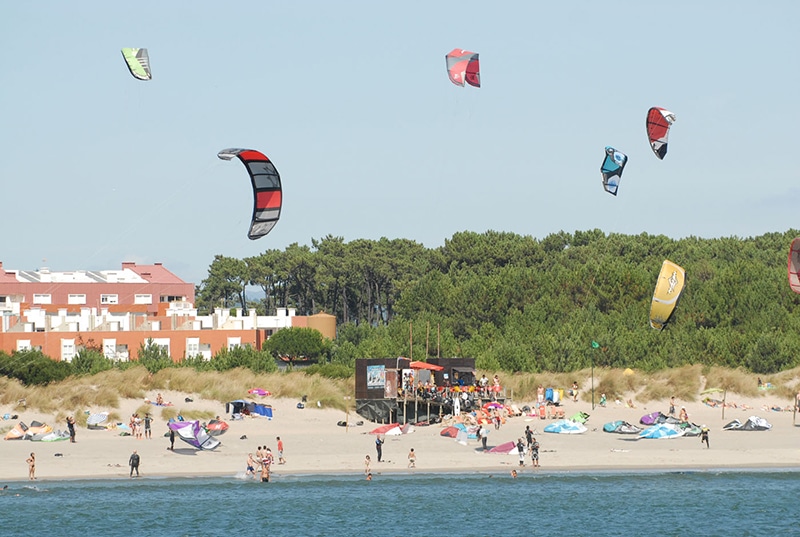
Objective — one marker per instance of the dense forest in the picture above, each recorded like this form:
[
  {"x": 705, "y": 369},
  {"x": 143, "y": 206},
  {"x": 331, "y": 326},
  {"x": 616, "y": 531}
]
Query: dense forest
[{"x": 517, "y": 303}]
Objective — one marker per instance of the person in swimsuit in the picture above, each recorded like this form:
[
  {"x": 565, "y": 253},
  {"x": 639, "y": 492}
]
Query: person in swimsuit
[
  {"x": 251, "y": 466},
  {"x": 31, "y": 466}
]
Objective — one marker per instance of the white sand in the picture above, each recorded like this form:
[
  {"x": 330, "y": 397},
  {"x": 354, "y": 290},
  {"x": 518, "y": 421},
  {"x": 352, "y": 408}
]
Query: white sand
[{"x": 314, "y": 443}]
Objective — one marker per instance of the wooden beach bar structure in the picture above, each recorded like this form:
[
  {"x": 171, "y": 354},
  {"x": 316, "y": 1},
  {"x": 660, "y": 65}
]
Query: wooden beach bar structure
[{"x": 388, "y": 389}]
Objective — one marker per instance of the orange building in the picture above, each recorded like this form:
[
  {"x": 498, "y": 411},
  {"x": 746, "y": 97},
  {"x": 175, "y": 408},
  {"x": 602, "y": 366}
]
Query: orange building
[{"x": 59, "y": 313}]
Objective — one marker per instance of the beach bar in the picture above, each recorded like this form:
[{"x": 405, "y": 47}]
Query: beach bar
[{"x": 400, "y": 390}]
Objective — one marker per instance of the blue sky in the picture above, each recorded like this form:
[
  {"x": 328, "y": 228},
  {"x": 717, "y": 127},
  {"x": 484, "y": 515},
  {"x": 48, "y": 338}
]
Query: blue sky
[{"x": 351, "y": 101}]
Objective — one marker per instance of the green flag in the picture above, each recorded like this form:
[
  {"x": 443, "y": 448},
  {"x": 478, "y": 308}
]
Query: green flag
[{"x": 595, "y": 345}]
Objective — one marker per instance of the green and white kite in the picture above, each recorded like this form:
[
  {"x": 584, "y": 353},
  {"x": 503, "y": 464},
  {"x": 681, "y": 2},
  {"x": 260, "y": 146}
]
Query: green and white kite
[{"x": 138, "y": 62}]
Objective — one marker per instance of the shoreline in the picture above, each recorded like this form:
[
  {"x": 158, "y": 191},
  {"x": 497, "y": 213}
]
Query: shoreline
[{"x": 524, "y": 472}]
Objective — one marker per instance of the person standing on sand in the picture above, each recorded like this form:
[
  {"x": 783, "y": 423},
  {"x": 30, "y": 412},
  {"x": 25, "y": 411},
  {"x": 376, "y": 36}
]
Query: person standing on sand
[
  {"x": 71, "y": 428},
  {"x": 535, "y": 453},
  {"x": 540, "y": 394},
  {"x": 171, "y": 439},
  {"x": 367, "y": 462},
  {"x": 412, "y": 459},
  {"x": 31, "y": 466},
  {"x": 379, "y": 447},
  {"x": 133, "y": 462},
  {"x": 521, "y": 450},
  {"x": 281, "y": 460},
  {"x": 528, "y": 435},
  {"x": 148, "y": 419},
  {"x": 672, "y": 406},
  {"x": 574, "y": 391},
  {"x": 704, "y": 436}
]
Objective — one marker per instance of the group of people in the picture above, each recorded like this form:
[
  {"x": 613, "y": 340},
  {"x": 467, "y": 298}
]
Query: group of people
[
  {"x": 484, "y": 388},
  {"x": 531, "y": 448},
  {"x": 263, "y": 460},
  {"x": 136, "y": 424},
  {"x": 412, "y": 457}
]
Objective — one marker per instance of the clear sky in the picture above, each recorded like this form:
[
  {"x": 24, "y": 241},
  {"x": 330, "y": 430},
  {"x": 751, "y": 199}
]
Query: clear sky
[{"x": 351, "y": 101}]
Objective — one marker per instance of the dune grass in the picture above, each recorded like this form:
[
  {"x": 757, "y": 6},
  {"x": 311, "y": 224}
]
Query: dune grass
[{"x": 103, "y": 392}]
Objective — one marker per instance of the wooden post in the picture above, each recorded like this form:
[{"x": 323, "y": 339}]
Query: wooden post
[{"x": 427, "y": 338}]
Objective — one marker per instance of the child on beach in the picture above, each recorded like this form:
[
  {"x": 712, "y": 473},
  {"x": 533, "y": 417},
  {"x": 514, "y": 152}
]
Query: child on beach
[
  {"x": 367, "y": 462},
  {"x": 251, "y": 466},
  {"x": 412, "y": 459}
]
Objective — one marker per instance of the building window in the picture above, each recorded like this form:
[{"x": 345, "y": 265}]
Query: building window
[
  {"x": 192, "y": 347},
  {"x": 3, "y": 299},
  {"x": 170, "y": 298},
  {"x": 110, "y": 348},
  {"x": 41, "y": 299},
  {"x": 23, "y": 345},
  {"x": 76, "y": 299},
  {"x": 143, "y": 299},
  {"x": 234, "y": 342},
  {"x": 67, "y": 350},
  {"x": 109, "y": 299}
]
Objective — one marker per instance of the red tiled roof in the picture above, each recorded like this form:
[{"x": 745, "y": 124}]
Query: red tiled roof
[{"x": 153, "y": 273}]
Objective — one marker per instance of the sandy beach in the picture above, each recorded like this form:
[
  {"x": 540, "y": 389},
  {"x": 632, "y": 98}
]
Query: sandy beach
[{"x": 315, "y": 444}]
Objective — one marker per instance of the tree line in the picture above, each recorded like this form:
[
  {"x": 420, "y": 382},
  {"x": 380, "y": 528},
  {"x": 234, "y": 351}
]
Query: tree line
[{"x": 517, "y": 303}]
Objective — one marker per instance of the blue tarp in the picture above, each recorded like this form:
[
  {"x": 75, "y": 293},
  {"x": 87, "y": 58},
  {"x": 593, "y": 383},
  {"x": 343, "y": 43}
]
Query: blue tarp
[{"x": 240, "y": 406}]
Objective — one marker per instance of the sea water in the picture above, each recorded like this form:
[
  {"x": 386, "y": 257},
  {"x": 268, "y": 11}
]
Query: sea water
[{"x": 704, "y": 503}]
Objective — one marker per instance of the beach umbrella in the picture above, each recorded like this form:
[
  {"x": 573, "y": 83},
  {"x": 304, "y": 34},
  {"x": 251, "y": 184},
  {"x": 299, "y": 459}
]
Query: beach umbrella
[
  {"x": 96, "y": 419},
  {"x": 565, "y": 427},
  {"x": 661, "y": 431}
]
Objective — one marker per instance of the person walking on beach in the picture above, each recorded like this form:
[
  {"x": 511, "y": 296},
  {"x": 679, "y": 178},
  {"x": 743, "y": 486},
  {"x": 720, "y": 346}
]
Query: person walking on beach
[
  {"x": 528, "y": 435},
  {"x": 574, "y": 391},
  {"x": 71, "y": 428},
  {"x": 281, "y": 460},
  {"x": 251, "y": 466},
  {"x": 521, "y": 450},
  {"x": 704, "y": 436},
  {"x": 171, "y": 439},
  {"x": 535, "y": 453},
  {"x": 412, "y": 459},
  {"x": 379, "y": 447},
  {"x": 148, "y": 419},
  {"x": 540, "y": 394},
  {"x": 31, "y": 466},
  {"x": 367, "y": 462},
  {"x": 133, "y": 462}
]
